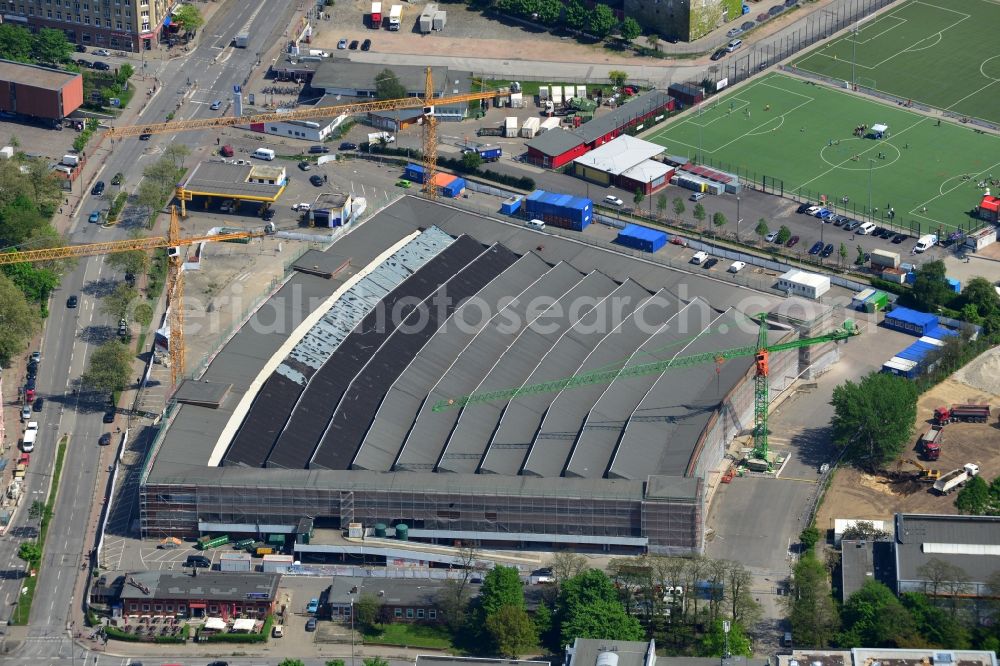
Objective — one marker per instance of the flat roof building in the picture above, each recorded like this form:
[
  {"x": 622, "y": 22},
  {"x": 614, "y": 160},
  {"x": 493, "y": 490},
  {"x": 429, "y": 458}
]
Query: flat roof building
[
  {"x": 627, "y": 162},
  {"x": 207, "y": 594},
  {"x": 243, "y": 182},
  {"x": 39, "y": 92}
]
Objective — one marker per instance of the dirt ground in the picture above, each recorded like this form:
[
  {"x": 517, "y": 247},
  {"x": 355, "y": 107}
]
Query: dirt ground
[{"x": 855, "y": 494}]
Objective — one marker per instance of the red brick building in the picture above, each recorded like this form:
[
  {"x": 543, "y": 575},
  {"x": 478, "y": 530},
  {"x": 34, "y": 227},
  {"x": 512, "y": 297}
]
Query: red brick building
[
  {"x": 208, "y": 594},
  {"x": 39, "y": 92}
]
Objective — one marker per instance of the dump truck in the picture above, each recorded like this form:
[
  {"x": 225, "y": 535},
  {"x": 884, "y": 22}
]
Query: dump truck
[
  {"x": 487, "y": 153},
  {"x": 956, "y": 478},
  {"x": 930, "y": 443},
  {"x": 968, "y": 413}
]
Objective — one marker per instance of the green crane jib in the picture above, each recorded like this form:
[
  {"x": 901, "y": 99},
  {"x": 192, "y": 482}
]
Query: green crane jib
[{"x": 761, "y": 353}]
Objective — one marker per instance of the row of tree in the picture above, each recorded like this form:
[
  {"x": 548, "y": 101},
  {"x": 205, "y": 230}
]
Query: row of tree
[
  {"x": 46, "y": 47},
  {"x": 574, "y": 15}
]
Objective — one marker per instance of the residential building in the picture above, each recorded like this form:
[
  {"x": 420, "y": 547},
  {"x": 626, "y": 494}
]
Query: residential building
[
  {"x": 208, "y": 594},
  {"x": 684, "y": 20},
  {"x": 127, "y": 25}
]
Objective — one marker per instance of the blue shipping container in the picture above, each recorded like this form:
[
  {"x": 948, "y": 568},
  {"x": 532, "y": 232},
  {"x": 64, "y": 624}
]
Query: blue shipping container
[
  {"x": 955, "y": 285},
  {"x": 454, "y": 188},
  {"x": 910, "y": 321},
  {"x": 414, "y": 172},
  {"x": 641, "y": 238},
  {"x": 511, "y": 206},
  {"x": 490, "y": 154}
]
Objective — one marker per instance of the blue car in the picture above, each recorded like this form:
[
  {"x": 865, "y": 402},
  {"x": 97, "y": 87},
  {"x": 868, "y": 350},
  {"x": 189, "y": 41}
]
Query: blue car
[
  {"x": 816, "y": 248},
  {"x": 826, "y": 216},
  {"x": 313, "y": 606},
  {"x": 821, "y": 212},
  {"x": 95, "y": 217}
]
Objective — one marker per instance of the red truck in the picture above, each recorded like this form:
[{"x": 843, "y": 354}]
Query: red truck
[
  {"x": 930, "y": 443},
  {"x": 968, "y": 413},
  {"x": 376, "y": 16}
]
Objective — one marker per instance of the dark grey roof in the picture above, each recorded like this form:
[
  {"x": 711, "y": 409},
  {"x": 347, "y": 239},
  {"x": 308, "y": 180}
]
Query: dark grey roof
[
  {"x": 398, "y": 409},
  {"x": 426, "y": 439},
  {"x": 862, "y": 561},
  {"x": 471, "y": 434},
  {"x": 554, "y": 142},
  {"x": 519, "y": 418},
  {"x": 227, "y": 179},
  {"x": 204, "y": 393},
  {"x": 393, "y": 591},
  {"x": 208, "y": 585},
  {"x": 921, "y": 538},
  {"x": 443, "y": 660},
  {"x": 609, "y": 122},
  {"x": 557, "y": 434}
]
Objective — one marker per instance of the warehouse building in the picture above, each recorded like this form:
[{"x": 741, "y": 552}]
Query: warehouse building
[
  {"x": 626, "y": 162},
  {"x": 39, "y": 92},
  {"x": 345, "y": 417},
  {"x": 558, "y": 147}
]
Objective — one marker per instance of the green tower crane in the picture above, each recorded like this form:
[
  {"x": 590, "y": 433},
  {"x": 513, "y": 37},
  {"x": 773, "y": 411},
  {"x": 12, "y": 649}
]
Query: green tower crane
[{"x": 761, "y": 353}]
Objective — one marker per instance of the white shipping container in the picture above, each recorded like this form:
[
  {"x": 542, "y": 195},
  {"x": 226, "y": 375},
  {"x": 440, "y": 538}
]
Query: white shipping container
[
  {"x": 7, "y": 152},
  {"x": 557, "y": 94},
  {"x": 517, "y": 100},
  {"x": 234, "y": 562},
  {"x": 276, "y": 563},
  {"x": 569, "y": 92},
  {"x": 543, "y": 93},
  {"x": 547, "y": 124},
  {"x": 71, "y": 160},
  {"x": 530, "y": 127},
  {"x": 510, "y": 126},
  {"x": 885, "y": 258},
  {"x": 355, "y": 530}
]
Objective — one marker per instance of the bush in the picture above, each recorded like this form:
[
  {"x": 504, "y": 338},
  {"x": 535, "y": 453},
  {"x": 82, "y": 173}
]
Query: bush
[
  {"x": 809, "y": 537},
  {"x": 522, "y": 183},
  {"x": 119, "y": 635}
]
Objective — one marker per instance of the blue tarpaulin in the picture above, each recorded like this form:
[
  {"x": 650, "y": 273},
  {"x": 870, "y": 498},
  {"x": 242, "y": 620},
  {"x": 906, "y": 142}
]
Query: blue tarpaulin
[
  {"x": 910, "y": 321},
  {"x": 641, "y": 238}
]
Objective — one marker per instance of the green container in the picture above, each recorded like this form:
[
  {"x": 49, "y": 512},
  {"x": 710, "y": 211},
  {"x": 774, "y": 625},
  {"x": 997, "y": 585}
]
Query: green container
[
  {"x": 276, "y": 539},
  {"x": 403, "y": 532},
  {"x": 876, "y": 302},
  {"x": 380, "y": 530}
]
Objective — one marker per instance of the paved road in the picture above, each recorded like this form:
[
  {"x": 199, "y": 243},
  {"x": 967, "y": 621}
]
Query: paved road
[{"x": 71, "y": 334}]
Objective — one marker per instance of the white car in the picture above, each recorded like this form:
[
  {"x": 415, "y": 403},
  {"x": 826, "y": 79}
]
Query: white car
[
  {"x": 216, "y": 105},
  {"x": 737, "y": 266},
  {"x": 102, "y": 52},
  {"x": 302, "y": 206},
  {"x": 812, "y": 210},
  {"x": 771, "y": 237},
  {"x": 613, "y": 200}
]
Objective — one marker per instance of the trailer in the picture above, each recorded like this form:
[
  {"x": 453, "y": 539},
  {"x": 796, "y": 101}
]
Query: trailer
[
  {"x": 376, "y": 16},
  {"x": 956, "y": 478},
  {"x": 489, "y": 131},
  {"x": 530, "y": 127},
  {"x": 426, "y": 21},
  {"x": 486, "y": 153},
  {"x": 968, "y": 413}
]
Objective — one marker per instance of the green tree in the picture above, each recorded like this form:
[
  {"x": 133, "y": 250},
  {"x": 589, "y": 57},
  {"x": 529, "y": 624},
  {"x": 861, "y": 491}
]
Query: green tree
[
  {"x": 567, "y": 565},
  {"x": 512, "y": 630},
  {"x": 699, "y": 213},
  {"x": 51, "y": 46},
  {"x": 661, "y": 204},
  {"x": 35, "y": 280},
  {"x": 843, "y": 253},
  {"x": 617, "y": 76},
  {"x": 471, "y": 161},
  {"x": 874, "y": 616},
  {"x": 548, "y": 11},
  {"x": 176, "y": 153},
  {"x": 135, "y": 262},
  {"x": 335, "y": 662},
  {"x": 864, "y": 530},
  {"x": 18, "y": 321},
  {"x": 679, "y": 206},
  {"x": 388, "y": 86},
  {"x": 125, "y": 73},
  {"x": 761, "y": 228},
  {"x": 15, "y": 43},
  {"x": 980, "y": 294},
  {"x": 784, "y": 233},
  {"x": 638, "y": 196},
  {"x": 713, "y": 643},
  {"x": 501, "y": 587},
  {"x": 117, "y": 304},
  {"x": 292, "y": 662},
  {"x": 143, "y": 314},
  {"x": 873, "y": 419},
  {"x": 575, "y": 15},
  {"x": 30, "y": 552},
  {"x": 601, "y": 21},
  {"x": 188, "y": 17},
  {"x": 974, "y": 498},
  {"x": 375, "y": 661},
  {"x": 109, "y": 368},
  {"x": 588, "y": 607},
  {"x": 719, "y": 220},
  {"x": 938, "y": 628},
  {"x": 810, "y": 607},
  {"x": 653, "y": 42},
  {"x": 930, "y": 288},
  {"x": 629, "y": 29},
  {"x": 860, "y": 259},
  {"x": 368, "y": 610},
  {"x": 809, "y": 537}
]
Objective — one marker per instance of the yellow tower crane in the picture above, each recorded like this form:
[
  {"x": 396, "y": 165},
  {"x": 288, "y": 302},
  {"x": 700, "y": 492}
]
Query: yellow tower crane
[
  {"x": 175, "y": 281},
  {"x": 427, "y": 103}
]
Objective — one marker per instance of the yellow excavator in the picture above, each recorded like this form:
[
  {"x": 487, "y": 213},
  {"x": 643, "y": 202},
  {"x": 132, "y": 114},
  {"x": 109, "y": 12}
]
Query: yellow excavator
[{"x": 926, "y": 474}]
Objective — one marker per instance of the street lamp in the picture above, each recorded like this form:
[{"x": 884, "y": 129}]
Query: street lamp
[
  {"x": 352, "y": 630},
  {"x": 738, "y": 218},
  {"x": 871, "y": 165}
]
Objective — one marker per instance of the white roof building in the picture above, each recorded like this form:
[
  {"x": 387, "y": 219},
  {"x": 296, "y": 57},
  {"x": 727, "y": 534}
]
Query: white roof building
[{"x": 620, "y": 155}]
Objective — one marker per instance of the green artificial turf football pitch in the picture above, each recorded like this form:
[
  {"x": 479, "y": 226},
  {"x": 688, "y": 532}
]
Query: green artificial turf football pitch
[
  {"x": 943, "y": 53},
  {"x": 800, "y": 135}
]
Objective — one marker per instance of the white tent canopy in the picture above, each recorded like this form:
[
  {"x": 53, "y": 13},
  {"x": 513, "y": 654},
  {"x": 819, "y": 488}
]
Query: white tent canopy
[
  {"x": 244, "y": 624},
  {"x": 215, "y": 624}
]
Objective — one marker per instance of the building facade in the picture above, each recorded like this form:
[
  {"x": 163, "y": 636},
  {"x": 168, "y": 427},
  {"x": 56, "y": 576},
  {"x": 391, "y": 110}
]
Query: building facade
[
  {"x": 203, "y": 595},
  {"x": 684, "y": 20},
  {"x": 127, "y": 25},
  {"x": 39, "y": 92}
]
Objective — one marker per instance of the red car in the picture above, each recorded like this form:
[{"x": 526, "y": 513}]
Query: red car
[
  {"x": 677, "y": 240},
  {"x": 792, "y": 241}
]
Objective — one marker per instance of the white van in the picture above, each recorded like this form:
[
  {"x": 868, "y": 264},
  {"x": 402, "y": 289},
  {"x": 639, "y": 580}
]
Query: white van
[
  {"x": 925, "y": 243},
  {"x": 535, "y": 224},
  {"x": 264, "y": 154},
  {"x": 699, "y": 258},
  {"x": 28, "y": 442},
  {"x": 865, "y": 228}
]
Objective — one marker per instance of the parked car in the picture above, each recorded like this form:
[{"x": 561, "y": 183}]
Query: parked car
[
  {"x": 318, "y": 149},
  {"x": 812, "y": 210},
  {"x": 354, "y": 45},
  {"x": 732, "y": 32},
  {"x": 268, "y": 215},
  {"x": 719, "y": 54},
  {"x": 198, "y": 561},
  {"x": 699, "y": 258},
  {"x": 877, "y": 231},
  {"x": 39, "y": 403},
  {"x": 105, "y": 439},
  {"x": 216, "y": 105},
  {"x": 109, "y": 414},
  {"x": 826, "y": 215},
  {"x": 816, "y": 248},
  {"x": 771, "y": 237},
  {"x": 98, "y": 188},
  {"x": 342, "y": 44},
  {"x": 36, "y": 356},
  {"x": 316, "y": 180},
  {"x": 613, "y": 200},
  {"x": 803, "y": 207},
  {"x": 697, "y": 196},
  {"x": 366, "y": 45},
  {"x": 737, "y": 266},
  {"x": 899, "y": 238},
  {"x": 746, "y": 25},
  {"x": 104, "y": 53},
  {"x": 711, "y": 262},
  {"x": 145, "y": 136},
  {"x": 118, "y": 178},
  {"x": 305, "y": 166},
  {"x": 887, "y": 234},
  {"x": 102, "y": 66},
  {"x": 852, "y": 225},
  {"x": 72, "y": 302},
  {"x": 792, "y": 241},
  {"x": 25, "y": 412},
  {"x": 827, "y": 251},
  {"x": 95, "y": 217},
  {"x": 302, "y": 207},
  {"x": 82, "y": 62},
  {"x": 840, "y": 220},
  {"x": 313, "y": 605},
  {"x": 347, "y": 145},
  {"x": 80, "y": 48},
  {"x": 311, "y": 622}
]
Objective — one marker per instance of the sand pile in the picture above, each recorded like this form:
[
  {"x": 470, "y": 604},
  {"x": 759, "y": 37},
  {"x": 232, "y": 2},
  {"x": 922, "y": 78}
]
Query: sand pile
[{"x": 983, "y": 373}]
